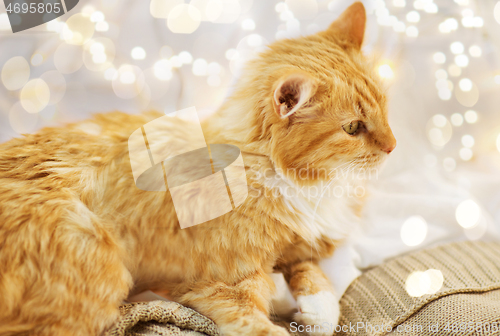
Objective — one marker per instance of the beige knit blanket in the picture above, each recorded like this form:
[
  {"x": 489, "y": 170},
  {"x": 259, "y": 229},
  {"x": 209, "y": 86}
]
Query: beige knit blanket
[{"x": 378, "y": 302}]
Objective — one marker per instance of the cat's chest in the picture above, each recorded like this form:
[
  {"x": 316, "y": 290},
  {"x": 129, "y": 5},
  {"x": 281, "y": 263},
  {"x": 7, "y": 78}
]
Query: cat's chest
[{"x": 323, "y": 210}]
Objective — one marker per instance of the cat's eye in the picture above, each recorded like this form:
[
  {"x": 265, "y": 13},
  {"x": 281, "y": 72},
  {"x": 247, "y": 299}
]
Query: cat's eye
[{"x": 352, "y": 127}]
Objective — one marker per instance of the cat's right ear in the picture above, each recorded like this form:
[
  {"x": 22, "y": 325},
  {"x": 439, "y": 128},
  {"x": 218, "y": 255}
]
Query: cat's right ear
[
  {"x": 351, "y": 23},
  {"x": 292, "y": 92}
]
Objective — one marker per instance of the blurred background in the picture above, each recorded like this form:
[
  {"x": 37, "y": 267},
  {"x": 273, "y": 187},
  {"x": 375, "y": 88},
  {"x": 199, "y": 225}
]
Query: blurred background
[{"x": 439, "y": 59}]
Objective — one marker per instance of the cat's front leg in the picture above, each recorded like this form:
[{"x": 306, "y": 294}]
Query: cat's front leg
[
  {"x": 240, "y": 309},
  {"x": 318, "y": 305}
]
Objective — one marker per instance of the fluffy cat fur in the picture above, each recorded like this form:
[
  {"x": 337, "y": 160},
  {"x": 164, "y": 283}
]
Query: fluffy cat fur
[{"x": 77, "y": 236}]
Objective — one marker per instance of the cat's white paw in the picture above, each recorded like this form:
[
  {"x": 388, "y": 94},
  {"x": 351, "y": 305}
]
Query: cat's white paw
[{"x": 320, "y": 312}]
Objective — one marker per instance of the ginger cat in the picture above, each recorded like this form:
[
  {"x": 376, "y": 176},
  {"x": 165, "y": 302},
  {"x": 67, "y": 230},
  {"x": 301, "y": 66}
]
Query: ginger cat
[{"x": 77, "y": 236}]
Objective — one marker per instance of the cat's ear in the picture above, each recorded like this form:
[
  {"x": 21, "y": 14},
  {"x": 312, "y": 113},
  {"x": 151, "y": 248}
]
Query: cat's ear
[
  {"x": 292, "y": 91},
  {"x": 351, "y": 23}
]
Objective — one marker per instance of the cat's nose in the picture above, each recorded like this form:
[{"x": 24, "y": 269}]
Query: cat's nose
[{"x": 389, "y": 145}]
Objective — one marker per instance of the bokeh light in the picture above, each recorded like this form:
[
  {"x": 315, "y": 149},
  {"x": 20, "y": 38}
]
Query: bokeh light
[
  {"x": 467, "y": 93},
  {"x": 448, "y": 25},
  {"x": 457, "y": 48},
  {"x": 439, "y": 130},
  {"x": 99, "y": 54},
  {"x": 421, "y": 283},
  {"x": 78, "y": 29},
  {"x": 414, "y": 231},
  {"x": 200, "y": 67},
  {"x": 163, "y": 70},
  {"x": 471, "y": 116},
  {"x": 185, "y": 57},
  {"x": 399, "y": 3},
  {"x": 462, "y": 61},
  {"x": 466, "y": 154},
  {"x": 102, "y": 26},
  {"x": 35, "y": 95},
  {"x": 468, "y": 141},
  {"x": 496, "y": 12},
  {"x": 184, "y": 19},
  {"x": 129, "y": 82},
  {"x": 248, "y": 24},
  {"x": 138, "y": 53},
  {"x": 15, "y": 73},
  {"x": 439, "y": 58},
  {"x": 475, "y": 51},
  {"x": 465, "y": 84},
  {"x": 454, "y": 70},
  {"x": 468, "y": 214},
  {"x": 385, "y": 71},
  {"x": 413, "y": 16}
]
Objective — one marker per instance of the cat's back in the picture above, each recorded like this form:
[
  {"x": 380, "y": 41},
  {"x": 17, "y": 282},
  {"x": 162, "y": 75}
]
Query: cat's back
[{"x": 55, "y": 150}]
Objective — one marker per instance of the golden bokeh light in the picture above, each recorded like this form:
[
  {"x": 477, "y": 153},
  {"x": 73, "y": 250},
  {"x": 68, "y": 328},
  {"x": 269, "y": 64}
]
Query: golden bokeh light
[
  {"x": 35, "y": 95},
  {"x": 99, "y": 54},
  {"x": 15, "y": 73},
  {"x": 78, "y": 29},
  {"x": 129, "y": 81},
  {"x": 184, "y": 19},
  {"x": 385, "y": 71},
  {"x": 454, "y": 70},
  {"x": 439, "y": 130}
]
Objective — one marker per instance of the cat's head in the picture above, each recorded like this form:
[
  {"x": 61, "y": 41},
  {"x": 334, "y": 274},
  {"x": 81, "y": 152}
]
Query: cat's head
[{"x": 323, "y": 107}]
